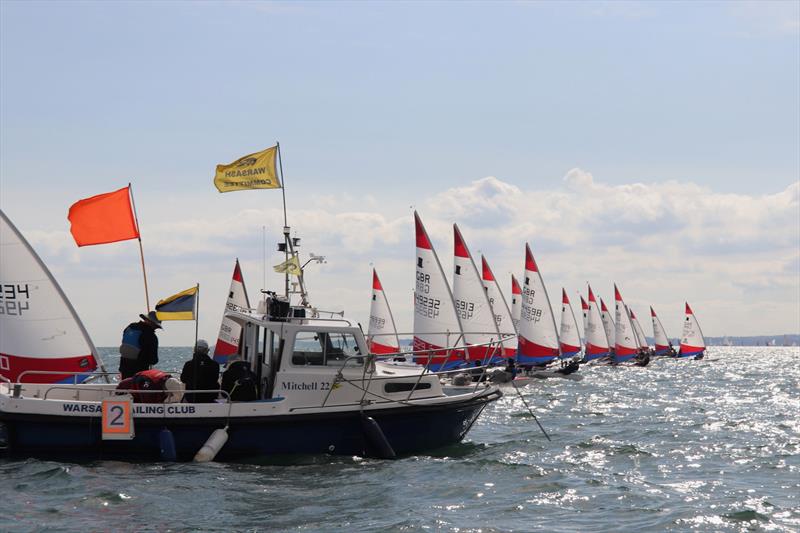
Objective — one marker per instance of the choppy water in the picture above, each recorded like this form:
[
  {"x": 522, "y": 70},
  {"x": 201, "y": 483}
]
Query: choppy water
[{"x": 679, "y": 445}]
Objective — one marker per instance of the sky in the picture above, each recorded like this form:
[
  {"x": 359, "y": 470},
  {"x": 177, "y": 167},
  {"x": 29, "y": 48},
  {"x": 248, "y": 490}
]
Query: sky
[{"x": 651, "y": 144}]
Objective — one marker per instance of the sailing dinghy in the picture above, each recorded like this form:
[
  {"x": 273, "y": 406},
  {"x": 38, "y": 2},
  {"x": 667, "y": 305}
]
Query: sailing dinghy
[
  {"x": 502, "y": 314},
  {"x": 585, "y": 312},
  {"x": 597, "y": 346},
  {"x": 662, "y": 342},
  {"x": 382, "y": 336},
  {"x": 437, "y": 326},
  {"x": 230, "y": 332},
  {"x": 516, "y": 302},
  {"x": 608, "y": 325},
  {"x": 625, "y": 345},
  {"x": 637, "y": 328},
  {"x": 42, "y": 339},
  {"x": 538, "y": 335},
  {"x": 693, "y": 344},
  {"x": 570, "y": 337},
  {"x": 481, "y": 333}
]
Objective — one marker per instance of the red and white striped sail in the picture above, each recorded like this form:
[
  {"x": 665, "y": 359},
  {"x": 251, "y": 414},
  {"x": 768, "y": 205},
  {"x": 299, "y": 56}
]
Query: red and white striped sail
[
  {"x": 538, "y": 335},
  {"x": 516, "y": 302},
  {"x": 608, "y": 324},
  {"x": 381, "y": 333},
  {"x": 569, "y": 336},
  {"x": 502, "y": 314},
  {"x": 597, "y": 344},
  {"x": 637, "y": 327},
  {"x": 585, "y": 312},
  {"x": 692, "y": 340},
  {"x": 472, "y": 304},
  {"x": 436, "y": 324},
  {"x": 659, "y": 334},
  {"x": 229, "y": 331},
  {"x": 625, "y": 345},
  {"x": 39, "y": 328}
]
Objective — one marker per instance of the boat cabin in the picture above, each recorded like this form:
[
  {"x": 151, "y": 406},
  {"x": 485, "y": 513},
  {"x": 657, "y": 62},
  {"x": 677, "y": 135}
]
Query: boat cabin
[{"x": 310, "y": 360}]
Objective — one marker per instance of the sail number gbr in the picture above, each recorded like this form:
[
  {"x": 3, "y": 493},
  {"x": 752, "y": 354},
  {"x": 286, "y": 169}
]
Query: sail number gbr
[{"x": 14, "y": 298}]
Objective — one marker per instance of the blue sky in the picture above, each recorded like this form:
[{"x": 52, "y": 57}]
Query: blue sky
[{"x": 381, "y": 106}]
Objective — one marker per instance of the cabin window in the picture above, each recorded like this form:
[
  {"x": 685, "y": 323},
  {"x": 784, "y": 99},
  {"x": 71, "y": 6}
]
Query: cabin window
[
  {"x": 405, "y": 387},
  {"x": 324, "y": 348}
]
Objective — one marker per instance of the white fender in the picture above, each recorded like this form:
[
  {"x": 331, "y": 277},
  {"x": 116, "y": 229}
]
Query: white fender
[{"x": 212, "y": 446}]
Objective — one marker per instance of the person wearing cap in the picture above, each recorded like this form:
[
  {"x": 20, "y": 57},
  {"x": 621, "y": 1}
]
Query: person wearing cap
[
  {"x": 201, "y": 373},
  {"x": 139, "y": 348}
]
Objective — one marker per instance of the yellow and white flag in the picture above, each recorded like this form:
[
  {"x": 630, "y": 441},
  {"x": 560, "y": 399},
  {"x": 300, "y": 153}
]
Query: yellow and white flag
[
  {"x": 290, "y": 266},
  {"x": 253, "y": 171}
]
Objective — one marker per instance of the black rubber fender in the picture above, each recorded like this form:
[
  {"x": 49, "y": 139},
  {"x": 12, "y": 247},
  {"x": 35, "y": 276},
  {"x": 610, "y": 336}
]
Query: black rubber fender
[{"x": 376, "y": 439}]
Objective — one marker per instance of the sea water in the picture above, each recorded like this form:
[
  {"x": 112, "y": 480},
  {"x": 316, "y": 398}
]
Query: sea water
[{"x": 680, "y": 445}]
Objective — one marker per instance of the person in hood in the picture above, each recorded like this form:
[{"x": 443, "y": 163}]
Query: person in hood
[
  {"x": 239, "y": 381},
  {"x": 139, "y": 348},
  {"x": 201, "y": 373}
]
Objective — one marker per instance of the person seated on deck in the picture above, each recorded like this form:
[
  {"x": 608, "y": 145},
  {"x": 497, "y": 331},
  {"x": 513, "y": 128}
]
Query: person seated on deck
[
  {"x": 239, "y": 381},
  {"x": 477, "y": 372},
  {"x": 201, "y": 373},
  {"x": 511, "y": 367},
  {"x": 152, "y": 386}
]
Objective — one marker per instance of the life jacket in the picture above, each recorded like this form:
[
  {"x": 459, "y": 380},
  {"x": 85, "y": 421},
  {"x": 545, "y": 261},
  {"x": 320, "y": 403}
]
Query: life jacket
[
  {"x": 146, "y": 380},
  {"x": 131, "y": 343}
]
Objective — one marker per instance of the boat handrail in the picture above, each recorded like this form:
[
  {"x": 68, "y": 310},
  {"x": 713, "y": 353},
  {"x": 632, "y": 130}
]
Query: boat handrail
[
  {"x": 490, "y": 343},
  {"x": 310, "y": 319},
  {"x": 123, "y": 392},
  {"x": 61, "y": 373}
]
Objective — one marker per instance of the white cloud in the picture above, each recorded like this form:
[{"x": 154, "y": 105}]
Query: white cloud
[{"x": 734, "y": 257}]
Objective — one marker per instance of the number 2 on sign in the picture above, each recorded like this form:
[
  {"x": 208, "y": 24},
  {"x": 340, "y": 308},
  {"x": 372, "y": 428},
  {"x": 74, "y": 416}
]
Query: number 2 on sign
[{"x": 117, "y": 420}]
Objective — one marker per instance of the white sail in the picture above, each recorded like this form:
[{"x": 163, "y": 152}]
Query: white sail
[
  {"x": 637, "y": 327},
  {"x": 472, "y": 304},
  {"x": 436, "y": 323},
  {"x": 608, "y": 324},
  {"x": 585, "y": 313},
  {"x": 597, "y": 344},
  {"x": 39, "y": 328},
  {"x": 568, "y": 335},
  {"x": 381, "y": 333},
  {"x": 502, "y": 314},
  {"x": 625, "y": 345},
  {"x": 538, "y": 335},
  {"x": 516, "y": 302},
  {"x": 692, "y": 340},
  {"x": 230, "y": 332},
  {"x": 659, "y": 335}
]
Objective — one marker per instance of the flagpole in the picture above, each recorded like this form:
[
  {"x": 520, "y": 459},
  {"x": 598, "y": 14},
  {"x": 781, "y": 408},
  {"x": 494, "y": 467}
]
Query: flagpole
[
  {"x": 141, "y": 250},
  {"x": 197, "y": 314},
  {"x": 285, "y": 219}
]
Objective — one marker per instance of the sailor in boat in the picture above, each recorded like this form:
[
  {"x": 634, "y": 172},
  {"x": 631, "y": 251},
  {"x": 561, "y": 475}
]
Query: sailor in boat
[
  {"x": 201, "y": 373},
  {"x": 477, "y": 372},
  {"x": 139, "y": 348},
  {"x": 152, "y": 386},
  {"x": 239, "y": 381}
]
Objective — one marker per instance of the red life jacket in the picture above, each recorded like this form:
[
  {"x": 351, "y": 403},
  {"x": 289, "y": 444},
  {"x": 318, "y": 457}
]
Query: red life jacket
[{"x": 146, "y": 380}]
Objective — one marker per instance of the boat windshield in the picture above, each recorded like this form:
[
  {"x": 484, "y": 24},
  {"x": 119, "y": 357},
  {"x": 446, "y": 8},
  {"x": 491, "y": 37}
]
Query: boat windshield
[{"x": 324, "y": 348}]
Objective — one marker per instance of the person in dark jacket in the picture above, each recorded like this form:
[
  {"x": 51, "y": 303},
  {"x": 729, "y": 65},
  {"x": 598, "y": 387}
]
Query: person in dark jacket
[
  {"x": 139, "y": 349},
  {"x": 201, "y": 373},
  {"x": 239, "y": 381}
]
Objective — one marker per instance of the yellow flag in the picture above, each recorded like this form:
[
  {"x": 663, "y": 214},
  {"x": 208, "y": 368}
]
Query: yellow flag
[
  {"x": 290, "y": 266},
  {"x": 254, "y": 171}
]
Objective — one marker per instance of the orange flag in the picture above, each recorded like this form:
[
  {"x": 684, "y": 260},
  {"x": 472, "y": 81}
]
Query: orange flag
[{"x": 103, "y": 218}]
